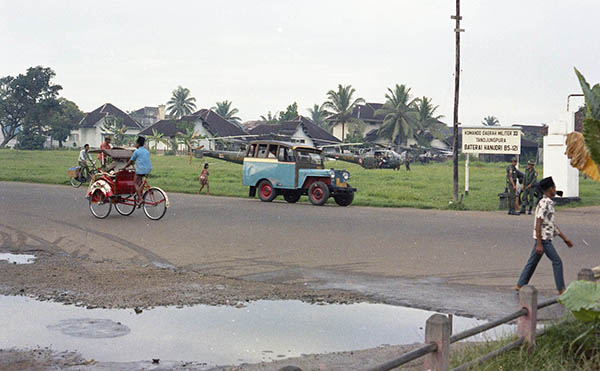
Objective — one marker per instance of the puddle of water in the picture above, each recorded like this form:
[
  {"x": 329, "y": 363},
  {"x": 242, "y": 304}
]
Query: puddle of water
[
  {"x": 261, "y": 331},
  {"x": 17, "y": 258}
]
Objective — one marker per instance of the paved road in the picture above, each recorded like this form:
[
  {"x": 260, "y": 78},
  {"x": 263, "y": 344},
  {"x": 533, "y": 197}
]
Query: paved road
[{"x": 395, "y": 254}]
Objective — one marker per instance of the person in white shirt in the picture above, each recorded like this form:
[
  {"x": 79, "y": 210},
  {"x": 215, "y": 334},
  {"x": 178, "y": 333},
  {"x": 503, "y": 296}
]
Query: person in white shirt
[{"x": 84, "y": 157}]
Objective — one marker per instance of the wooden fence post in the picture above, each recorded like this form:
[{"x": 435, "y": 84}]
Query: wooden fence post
[
  {"x": 526, "y": 325},
  {"x": 438, "y": 330},
  {"x": 586, "y": 274}
]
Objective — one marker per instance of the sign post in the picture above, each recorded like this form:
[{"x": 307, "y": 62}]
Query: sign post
[
  {"x": 467, "y": 175},
  {"x": 489, "y": 140}
]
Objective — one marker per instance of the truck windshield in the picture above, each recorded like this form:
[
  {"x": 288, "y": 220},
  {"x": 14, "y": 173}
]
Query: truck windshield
[{"x": 312, "y": 158}]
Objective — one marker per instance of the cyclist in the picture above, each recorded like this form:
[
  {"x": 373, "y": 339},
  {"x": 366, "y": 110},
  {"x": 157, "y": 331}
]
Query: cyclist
[
  {"x": 84, "y": 157},
  {"x": 143, "y": 167}
]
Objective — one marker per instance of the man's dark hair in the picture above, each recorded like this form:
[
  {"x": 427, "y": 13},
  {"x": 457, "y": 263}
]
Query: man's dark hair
[
  {"x": 141, "y": 141},
  {"x": 86, "y": 145},
  {"x": 206, "y": 165}
]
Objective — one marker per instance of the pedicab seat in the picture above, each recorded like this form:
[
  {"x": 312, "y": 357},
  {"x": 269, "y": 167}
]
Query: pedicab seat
[{"x": 124, "y": 182}]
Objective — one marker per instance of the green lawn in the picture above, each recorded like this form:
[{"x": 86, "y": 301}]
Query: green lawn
[{"x": 426, "y": 186}]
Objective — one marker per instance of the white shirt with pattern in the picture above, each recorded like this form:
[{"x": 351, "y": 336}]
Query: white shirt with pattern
[{"x": 545, "y": 211}]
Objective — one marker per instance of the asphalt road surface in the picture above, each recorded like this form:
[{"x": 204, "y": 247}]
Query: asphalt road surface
[{"x": 435, "y": 259}]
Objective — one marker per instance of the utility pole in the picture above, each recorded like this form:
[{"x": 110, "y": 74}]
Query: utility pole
[{"x": 457, "y": 31}]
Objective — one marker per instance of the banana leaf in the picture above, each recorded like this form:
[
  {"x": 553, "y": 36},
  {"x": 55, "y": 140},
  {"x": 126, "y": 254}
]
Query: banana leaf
[{"x": 582, "y": 298}]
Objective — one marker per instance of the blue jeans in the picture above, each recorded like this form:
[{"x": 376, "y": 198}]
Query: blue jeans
[{"x": 533, "y": 261}]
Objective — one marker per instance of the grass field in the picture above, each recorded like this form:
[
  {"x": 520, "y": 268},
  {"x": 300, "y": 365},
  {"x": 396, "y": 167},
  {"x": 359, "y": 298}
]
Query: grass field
[{"x": 426, "y": 186}]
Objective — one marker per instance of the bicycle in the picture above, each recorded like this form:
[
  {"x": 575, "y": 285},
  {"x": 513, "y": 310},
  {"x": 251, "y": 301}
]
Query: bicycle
[{"x": 79, "y": 175}]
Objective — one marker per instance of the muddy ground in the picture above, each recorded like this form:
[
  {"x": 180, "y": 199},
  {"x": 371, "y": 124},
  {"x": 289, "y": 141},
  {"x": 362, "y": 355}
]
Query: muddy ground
[{"x": 82, "y": 281}]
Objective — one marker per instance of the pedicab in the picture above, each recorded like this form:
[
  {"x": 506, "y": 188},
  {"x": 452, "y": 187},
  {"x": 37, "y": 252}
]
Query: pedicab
[{"x": 114, "y": 185}]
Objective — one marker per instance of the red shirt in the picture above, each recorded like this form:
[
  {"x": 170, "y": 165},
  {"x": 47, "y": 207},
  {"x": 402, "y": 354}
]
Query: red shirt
[{"x": 104, "y": 145}]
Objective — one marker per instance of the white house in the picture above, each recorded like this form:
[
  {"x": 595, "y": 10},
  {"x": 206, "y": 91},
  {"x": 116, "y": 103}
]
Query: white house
[
  {"x": 302, "y": 130},
  {"x": 90, "y": 128},
  {"x": 207, "y": 124}
]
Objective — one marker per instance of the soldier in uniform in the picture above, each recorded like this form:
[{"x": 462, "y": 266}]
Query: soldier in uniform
[
  {"x": 511, "y": 187},
  {"x": 530, "y": 179}
]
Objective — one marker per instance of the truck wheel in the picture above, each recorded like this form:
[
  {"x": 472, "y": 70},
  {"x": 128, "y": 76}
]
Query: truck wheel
[
  {"x": 291, "y": 197},
  {"x": 318, "y": 193},
  {"x": 344, "y": 199},
  {"x": 266, "y": 192}
]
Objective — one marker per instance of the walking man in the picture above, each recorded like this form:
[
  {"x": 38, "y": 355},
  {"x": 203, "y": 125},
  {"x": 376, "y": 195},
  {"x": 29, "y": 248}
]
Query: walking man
[
  {"x": 544, "y": 230},
  {"x": 511, "y": 187},
  {"x": 529, "y": 181}
]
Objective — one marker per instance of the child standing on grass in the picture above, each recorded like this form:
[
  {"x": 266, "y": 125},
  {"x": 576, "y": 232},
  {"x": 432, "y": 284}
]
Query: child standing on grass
[{"x": 204, "y": 180}]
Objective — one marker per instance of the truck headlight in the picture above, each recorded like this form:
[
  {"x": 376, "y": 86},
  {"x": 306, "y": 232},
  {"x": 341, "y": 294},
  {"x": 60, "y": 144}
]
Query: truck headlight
[
  {"x": 346, "y": 175},
  {"x": 332, "y": 173}
]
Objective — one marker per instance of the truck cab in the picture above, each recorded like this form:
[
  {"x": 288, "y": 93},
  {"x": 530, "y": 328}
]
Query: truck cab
[{"x": 274, "y": 168}]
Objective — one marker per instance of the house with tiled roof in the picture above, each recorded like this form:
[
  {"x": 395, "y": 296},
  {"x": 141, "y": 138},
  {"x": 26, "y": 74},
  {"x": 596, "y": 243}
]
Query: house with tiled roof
[
  {"x": 207, "y": 123},
  {"x": 90, "y": 128},
  {"x": 365, "y": 113},
  {"x": 301, "y": 130}
]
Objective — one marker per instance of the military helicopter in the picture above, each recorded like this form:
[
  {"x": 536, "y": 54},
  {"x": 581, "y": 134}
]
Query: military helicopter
[{"x": 376, "y": 157}]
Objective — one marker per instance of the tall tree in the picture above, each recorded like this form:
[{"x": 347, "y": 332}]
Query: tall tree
[
  {"x": 224, "y": 109},
  {"x": 270, "y": 118},
  {"x": 290, "y": 113},
  {"x": 181, "y": 104},
  {"x": 340, "y": 105},
  {"x": 26, "y": 100},
  {"x": 319, "y": 115},
  {"x": 400, "y": 121},
  {"x": 490, "y": 121},
  {"x": 427, "y": 123},
  {"x": 63, "y": 120}
]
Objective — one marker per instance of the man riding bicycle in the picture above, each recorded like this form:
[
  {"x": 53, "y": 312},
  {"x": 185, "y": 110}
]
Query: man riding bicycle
[
  {"x": 84, "y": 157},
  {"x": 143, "y": 167}
]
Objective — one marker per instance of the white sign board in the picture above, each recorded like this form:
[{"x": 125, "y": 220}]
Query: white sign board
[{"x": 491, "y": 141}]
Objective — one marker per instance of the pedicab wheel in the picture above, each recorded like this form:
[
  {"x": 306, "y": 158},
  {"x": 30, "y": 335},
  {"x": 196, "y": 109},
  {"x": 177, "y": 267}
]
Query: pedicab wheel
[
  {"x": 76, "y": 183},
  {"x": 154, "y": 203},
  {"x": 125, "y": 209},
  {"x": 318, "y": 193},
  {"x": 344, "y": 199},
  {"x": 291, "y": 197},
  {"x": 266, "y": 192},
  {"x": 100, "y": 205}
]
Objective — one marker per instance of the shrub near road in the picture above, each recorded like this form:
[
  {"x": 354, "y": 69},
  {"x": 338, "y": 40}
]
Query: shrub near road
[{"x": 426, "y": 186}]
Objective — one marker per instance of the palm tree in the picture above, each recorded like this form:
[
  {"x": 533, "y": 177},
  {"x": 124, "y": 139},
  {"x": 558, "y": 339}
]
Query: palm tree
[
  {"x": 181, "y": 104},
  {"x": 399, "y": 115},
  {"x": 490, "y": 121},
  {"x": 224, "y": 110},
  {"x": 428, "y": 123},
  {"x": 156, "y": 138},
  {"x": 270, "y": 118},
  {"x": 319, "y": 115},
  {"x": 189, "y": 138},
  {"x": 340, "y": 106}
]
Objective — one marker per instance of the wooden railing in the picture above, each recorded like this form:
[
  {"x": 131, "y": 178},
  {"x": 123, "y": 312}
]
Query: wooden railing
[{"x": 438, "y": 329}]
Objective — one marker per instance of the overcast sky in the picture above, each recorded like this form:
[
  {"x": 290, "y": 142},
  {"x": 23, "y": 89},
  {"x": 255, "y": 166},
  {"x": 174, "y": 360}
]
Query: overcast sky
[{"x": 517, "y": 56}]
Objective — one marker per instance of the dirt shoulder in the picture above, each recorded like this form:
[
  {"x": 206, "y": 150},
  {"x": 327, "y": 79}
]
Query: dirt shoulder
[{"x": 108, "y": 284}]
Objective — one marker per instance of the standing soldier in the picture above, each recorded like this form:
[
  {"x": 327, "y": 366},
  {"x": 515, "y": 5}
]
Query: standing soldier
[
  {"x": 529, "y": 181},
  {"x": 511, "y": 187}
]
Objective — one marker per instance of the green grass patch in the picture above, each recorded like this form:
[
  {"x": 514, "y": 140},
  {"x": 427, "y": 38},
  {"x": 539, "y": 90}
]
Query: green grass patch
[
  {"x": 426, "y": 186},
  {"x": 552, "y": 352}
]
